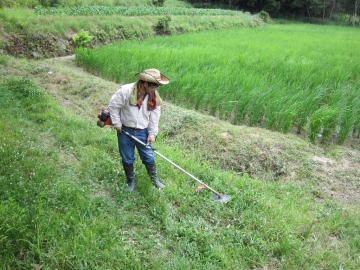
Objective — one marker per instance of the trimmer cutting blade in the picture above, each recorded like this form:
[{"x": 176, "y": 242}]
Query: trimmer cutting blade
[{"x": 220, "y": 197}]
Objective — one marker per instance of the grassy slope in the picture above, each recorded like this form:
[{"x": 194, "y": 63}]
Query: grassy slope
[{"x": 79, "y": 212}]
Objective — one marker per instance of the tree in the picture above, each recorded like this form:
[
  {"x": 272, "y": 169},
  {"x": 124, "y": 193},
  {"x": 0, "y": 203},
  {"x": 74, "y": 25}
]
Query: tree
[
  {"x": 356, "y": 9},
  {"x": 332, "y": 9},
  {"x": 325, "y": 9}
]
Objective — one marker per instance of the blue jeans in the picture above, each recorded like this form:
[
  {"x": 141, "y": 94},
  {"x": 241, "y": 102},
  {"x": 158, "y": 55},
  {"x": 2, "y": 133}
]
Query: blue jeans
[{"x": 127, "y": 147}]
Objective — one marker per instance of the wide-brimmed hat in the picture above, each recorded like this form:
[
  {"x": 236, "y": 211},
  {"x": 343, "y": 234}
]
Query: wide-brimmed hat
[{"x": 152, "y": 75}]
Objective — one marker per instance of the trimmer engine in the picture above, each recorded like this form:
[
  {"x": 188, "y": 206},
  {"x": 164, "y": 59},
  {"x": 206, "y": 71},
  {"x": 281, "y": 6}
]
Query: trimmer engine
[{"x": 104, "y": 119}]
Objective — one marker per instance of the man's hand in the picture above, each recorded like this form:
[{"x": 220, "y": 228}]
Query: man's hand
[
  {"x": 151, "y": 139},
  {"x": 119, "y": 129}
]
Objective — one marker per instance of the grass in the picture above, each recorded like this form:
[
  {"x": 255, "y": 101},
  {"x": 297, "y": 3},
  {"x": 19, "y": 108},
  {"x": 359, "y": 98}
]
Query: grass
[
  {"x": 295, "y": 78},
  {"x": 66, "y": 205}
]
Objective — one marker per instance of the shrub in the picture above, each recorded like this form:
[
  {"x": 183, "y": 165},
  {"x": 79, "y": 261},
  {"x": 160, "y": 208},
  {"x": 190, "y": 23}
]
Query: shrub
[
  {"x": 264, "y": 16},
  {"x": 158, "y": 3},
  {"x": 162, "y": 26},
  {"x": 82, "y": 39}
]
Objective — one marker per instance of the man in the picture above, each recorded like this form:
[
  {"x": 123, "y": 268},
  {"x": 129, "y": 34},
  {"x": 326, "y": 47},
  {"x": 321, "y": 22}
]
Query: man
[{"x": 135, "y": 108}]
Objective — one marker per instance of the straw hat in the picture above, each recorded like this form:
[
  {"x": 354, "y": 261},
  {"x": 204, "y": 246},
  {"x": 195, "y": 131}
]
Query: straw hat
[{"x": 152, "y": 75}]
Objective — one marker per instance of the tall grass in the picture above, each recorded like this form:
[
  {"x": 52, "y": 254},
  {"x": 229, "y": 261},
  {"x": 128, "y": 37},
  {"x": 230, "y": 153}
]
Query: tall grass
[{"x": 279, "y": 76}]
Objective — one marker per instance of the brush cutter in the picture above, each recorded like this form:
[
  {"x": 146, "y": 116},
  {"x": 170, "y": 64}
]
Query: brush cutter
[
  {"x": 217, "y": 197},
  {"x": 105, "y": 120}
]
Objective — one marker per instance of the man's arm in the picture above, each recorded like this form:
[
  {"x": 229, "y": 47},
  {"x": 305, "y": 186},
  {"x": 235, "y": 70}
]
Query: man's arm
[
  {"x": 117, "y": 101},
  {"x": 153, "y": 127}
]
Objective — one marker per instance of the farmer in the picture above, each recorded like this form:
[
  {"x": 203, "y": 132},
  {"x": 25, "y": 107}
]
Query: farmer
[{"x": 135, "y": 108}]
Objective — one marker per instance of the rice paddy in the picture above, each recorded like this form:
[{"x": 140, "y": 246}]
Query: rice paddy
[{"x": 281, "y": 77}]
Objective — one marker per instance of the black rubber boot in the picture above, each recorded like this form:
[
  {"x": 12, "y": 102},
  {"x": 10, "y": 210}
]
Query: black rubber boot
[
  {"x": 130, "y": 175},
  {"x": 151, "y": 169}
]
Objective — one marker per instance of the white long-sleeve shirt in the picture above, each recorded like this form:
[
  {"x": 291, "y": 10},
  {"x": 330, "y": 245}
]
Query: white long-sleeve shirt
[{"x": 122, "y": 113}]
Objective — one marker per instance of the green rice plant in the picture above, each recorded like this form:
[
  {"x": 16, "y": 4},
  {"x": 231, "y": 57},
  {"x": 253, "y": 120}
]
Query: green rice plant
[
  {"x": 310, "y": 101},
  {"x": 348, "y": 119},
  {"x": 276, "y": 76},
  {"x": 322, "y": 122}
]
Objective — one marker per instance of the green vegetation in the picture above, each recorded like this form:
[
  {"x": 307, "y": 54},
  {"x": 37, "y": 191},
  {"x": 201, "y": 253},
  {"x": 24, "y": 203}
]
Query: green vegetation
[
  {"x": 75, "y": 3},
  {"x": 158, "y": 3},
  {"x": 25, "y": 34},
  {"x": 162, "y": 27},
  {"x": 134, "y": 11},
  {"x": 278, "y": 77},
  {"x": 64, "y": 202},
  {"x": 265, "y": 16},
  {"x": 82, "y": 39},
  {"x": 66, "y": 205}
]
